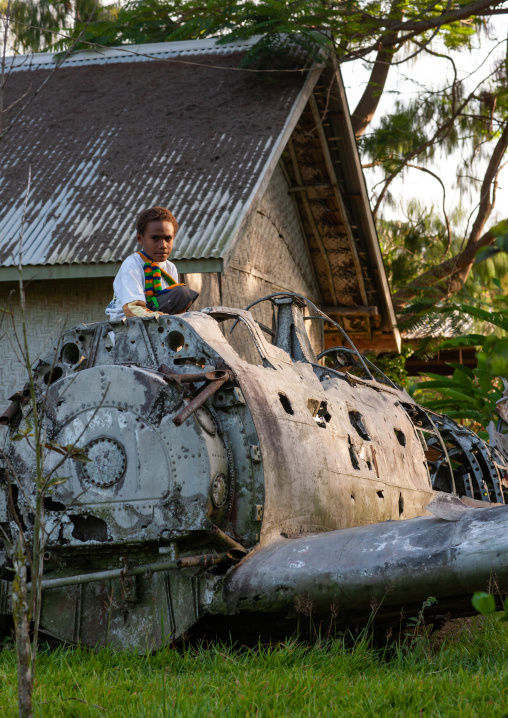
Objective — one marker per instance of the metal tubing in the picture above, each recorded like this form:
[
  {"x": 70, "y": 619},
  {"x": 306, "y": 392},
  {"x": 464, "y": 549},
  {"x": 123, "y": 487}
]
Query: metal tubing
[
  {"x": 17, "y": 399},
  {"x": 9, "y": 413},
  {"x": 203, "y": 395},
  {"x": 226, "y": 540},
  {"x": 203, "y": 560},
  {"x": 189, "y": 378}
]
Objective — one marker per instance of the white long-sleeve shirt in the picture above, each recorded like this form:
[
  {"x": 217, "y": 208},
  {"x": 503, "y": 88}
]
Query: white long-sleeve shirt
[{"x": 129, "y": 284}]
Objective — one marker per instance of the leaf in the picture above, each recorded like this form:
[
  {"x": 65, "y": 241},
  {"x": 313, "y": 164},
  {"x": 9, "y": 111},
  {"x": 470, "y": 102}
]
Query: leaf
[
  {"x": 437, "y": 377},
  {"x": 504, "y": 616},
  {"x": 462, "y": 368},
  {"x": 72, "y": 452},
  {"x": 485, "y": 603},
  {"x": 57, "y": 480},
  {"x": 463, "y": 380},
  {"x": 469, "y": 340},
  {"x": 79, "y": 456},
  {"x": 51, "y": 446},
  {"x": 465, "y": 414},
  {"x": 442, "y": 383},
  {"x": 498, "y": 319},
  {"x": 431, "y": 601},
  {"x": 452, "y": 393},
  {"x": 17, "y": 437}
]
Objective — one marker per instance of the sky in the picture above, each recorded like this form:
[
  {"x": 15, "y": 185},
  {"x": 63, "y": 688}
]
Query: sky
[{"x": 404, "y": 81}]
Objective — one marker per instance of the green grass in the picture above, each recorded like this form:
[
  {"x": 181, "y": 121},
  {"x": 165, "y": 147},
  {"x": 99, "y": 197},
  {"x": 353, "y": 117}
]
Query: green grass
[{"x": 463, "y": 672}]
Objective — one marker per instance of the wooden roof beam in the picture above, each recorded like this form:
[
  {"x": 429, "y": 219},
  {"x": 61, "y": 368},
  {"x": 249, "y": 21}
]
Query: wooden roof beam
[
  {"x": 352, "y": 311},
  {"x": 338, "y": 196},
  {"x": 312, "y": 222}
]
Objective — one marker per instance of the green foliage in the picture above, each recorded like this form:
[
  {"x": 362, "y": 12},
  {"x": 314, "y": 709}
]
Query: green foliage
[
  {"x": 393, "y": 365},
  {"x": 484, "y": 603},
  {"x": 33, "y": 22},
  {"x": 471, "y": 394},
  {"x": 412, "y": 246},
  {"x": 135, "y": 22},
  {"x": 280, "y": 26},
  {"x": 458, "y": 672},
  {"x": 276, "y": 24}
]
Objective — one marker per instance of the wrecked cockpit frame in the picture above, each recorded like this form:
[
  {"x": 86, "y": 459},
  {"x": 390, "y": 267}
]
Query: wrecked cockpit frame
[{"x": 200, "y": 458}]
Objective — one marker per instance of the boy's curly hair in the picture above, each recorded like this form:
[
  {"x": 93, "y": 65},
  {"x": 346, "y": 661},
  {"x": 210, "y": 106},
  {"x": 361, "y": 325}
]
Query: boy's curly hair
[{"x": 152, "y": 215}]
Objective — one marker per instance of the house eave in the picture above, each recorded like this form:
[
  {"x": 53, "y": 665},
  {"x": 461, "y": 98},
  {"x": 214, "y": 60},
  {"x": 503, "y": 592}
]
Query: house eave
[
  {"x": 46, "y": 272},
  {"x": 357, "y": 195}
]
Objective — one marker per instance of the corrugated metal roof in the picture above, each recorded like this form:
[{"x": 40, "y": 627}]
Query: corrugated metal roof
[{"x": 116, "y": 132}]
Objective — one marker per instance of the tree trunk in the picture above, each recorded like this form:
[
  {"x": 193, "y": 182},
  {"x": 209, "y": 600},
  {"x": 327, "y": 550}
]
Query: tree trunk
[
  {"x": 488, "y": 185},
  {"x": 369, "y": 101},
  {"x": 21, "y": 614},
  {"x": 445, "y": 278}
]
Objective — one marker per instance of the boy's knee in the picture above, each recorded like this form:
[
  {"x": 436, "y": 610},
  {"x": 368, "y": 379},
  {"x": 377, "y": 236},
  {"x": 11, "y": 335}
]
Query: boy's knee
[{"x": 176, "y": 301}]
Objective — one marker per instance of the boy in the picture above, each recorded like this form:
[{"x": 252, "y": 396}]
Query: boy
[{"x": 147, "y": 283}]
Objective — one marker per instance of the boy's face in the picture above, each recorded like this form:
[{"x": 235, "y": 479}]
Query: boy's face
[{"x": 157, "y": 239}]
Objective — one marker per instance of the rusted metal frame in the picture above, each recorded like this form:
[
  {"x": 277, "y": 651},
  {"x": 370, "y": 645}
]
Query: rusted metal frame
[
  {"x": 437, "y": 433},
  {"x": 231, "y": 469},
  {"x": 321, "y": 315},
  {"x": 468, "y": 442},
  {"x": 204, "y": 394},
  {"x": 232, "y": 556},
  {"x": 17, "y": 399},
  {"x": 367, "y": 361},
  {"x": 338, "y": 196},
  {"x": 221, "y": 314},
  {"x": 190, "y": 378},
  {"x": 11, "y": 410},
  {"x": 148, "y": 343},
  {"x": 96, "y": 339},
  {"x": 226, "y": 540},
  {"x": 312, "y": 222}
]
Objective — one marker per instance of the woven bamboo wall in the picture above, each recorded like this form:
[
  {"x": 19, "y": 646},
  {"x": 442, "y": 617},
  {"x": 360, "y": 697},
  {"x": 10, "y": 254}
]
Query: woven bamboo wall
[{"x": 51, "y": 306}]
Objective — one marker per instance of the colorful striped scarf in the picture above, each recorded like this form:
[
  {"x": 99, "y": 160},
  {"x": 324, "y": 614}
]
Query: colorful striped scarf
[{"x": 153, "y": 279}]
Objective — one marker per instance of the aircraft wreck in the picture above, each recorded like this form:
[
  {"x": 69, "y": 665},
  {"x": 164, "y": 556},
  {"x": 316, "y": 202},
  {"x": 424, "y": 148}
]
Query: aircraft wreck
[{"x": 226, "y": 493}]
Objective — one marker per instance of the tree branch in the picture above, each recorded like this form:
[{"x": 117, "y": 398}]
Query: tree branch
[
  {"x": 367, "y": 105},
  {"x": 446, "y": 277},
  {"x": 447, "y": 221},
  {"x": 486, "y": 198},
  {"x": 462, "y": 13}
]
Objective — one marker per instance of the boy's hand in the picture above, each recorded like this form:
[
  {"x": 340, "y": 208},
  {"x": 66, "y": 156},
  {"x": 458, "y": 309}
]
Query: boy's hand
[{"x": 139, "y": 309}]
